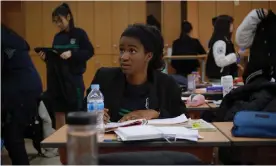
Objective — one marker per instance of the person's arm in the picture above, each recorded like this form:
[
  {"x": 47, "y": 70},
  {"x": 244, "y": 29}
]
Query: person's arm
[
  {"x": 219, "y": 52},
  {"x": 246, "y": 31},
  {"x": 200, "y": 49},
  {"x": 86, "y": 50}
]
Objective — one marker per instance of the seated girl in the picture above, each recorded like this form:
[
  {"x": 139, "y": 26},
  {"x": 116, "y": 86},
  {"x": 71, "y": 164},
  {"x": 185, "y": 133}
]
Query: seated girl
[{"x": 138, "y": 89}]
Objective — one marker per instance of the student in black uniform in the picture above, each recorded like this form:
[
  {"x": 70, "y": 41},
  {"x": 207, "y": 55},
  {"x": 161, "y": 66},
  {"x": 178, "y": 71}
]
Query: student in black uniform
[
  {"x": 77, "y": 51},
  {"x": 138, "y": 89},
  {"x": 222, "y": 58},
  {"x": 20, "y": 90},
  {"x": 186, "y": 45}
]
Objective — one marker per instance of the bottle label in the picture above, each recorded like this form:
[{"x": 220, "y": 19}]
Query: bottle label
[{"x": 95, "y": 106}]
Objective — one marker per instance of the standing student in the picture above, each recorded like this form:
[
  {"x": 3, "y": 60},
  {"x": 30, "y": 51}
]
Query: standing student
[
  {"x": 186, "y": 45},
  {"x": 138, "y": 89},
  {"x": 76, "y": 51},
  {"x": 20, "y": 90},
  {"x": 222, "y": 58},
  {"x": 258, "y": 32}
]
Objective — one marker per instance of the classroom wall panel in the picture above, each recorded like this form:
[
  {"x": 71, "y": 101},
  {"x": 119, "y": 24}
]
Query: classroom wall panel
[
  {"x": 102, "y": 24},
  {"x": 119, "y": 22},
  {"x": 33, "y": 23},
  {"x": 171, "y": 21},
  {"x": 207, "y": 10},
  {"x": 272, "y": 5},
  {"x": 192, "y": 16},
  {"x": 137, "y": 12},
  {"x": 260, "y": 4}
]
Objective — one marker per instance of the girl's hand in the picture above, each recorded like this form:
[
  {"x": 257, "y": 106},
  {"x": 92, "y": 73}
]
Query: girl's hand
[
  {"x": 42, "y": 55},
  {"x": 66, "y": 55}
]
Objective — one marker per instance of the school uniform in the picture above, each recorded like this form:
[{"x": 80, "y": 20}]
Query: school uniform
[
  {"x": 221, "y": 59},
  {"x": 121, "y": 97},
  {"x": 258, "y": 32},
  {"x": 186, "y": 45},
  {"x": 20, "y": 90},
  {"x": 65, "y": 84}
]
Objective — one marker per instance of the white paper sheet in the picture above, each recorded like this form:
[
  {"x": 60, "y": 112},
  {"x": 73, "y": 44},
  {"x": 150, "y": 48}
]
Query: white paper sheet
[{"x": 180, "y": 119}]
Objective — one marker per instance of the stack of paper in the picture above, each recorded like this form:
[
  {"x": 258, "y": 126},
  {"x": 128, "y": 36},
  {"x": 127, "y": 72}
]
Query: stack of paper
[
  {"x": 125, "y": 124},
  {"x": 169, "y": 121},
  {"x": 148, "y": 132}
]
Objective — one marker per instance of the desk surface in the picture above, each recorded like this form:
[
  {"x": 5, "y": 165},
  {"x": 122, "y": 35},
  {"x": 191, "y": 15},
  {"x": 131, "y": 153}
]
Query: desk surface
[
  {"x": 182, "y": 57},
  {"x": 211, "y": 139},
  {"x": 225, "y": 128}
]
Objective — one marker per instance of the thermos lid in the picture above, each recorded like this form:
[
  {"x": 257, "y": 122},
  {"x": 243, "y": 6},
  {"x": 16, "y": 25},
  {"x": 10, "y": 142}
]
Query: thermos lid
[{"x": 81, "y": 118}]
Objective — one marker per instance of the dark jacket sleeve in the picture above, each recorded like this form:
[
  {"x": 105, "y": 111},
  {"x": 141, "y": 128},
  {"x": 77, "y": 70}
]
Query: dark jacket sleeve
[
  {"x": 200, "y": 49},
  {"x": 177, "y": 106},
  {"x": 86, "y": 50}
]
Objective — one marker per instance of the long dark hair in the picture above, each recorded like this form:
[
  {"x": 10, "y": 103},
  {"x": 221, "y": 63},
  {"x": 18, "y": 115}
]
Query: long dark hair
[
  {"x": 64, "y": 10},
  {"x": 221, "y": 30},
  {"x": 186, "y": 28}
]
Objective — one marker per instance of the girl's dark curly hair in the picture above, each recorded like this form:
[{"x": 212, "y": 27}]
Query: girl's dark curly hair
[{"x": 152, "y": 40}]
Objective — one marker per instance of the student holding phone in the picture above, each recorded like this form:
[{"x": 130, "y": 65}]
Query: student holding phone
[{"x": 74, "y": 50}]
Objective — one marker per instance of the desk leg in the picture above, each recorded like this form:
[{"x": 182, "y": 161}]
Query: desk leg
[{"x": 203, "y": 68}]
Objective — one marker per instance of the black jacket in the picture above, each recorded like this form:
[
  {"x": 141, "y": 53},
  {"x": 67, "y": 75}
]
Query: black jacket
[
  {"x": 61, "y": 84},
  {"x": 186, "y": 46},
  {"x": 258, "y": 32},
  {"x": 164, "y": 92},
  {"x": 212, "y": 70},
  {"x": 259, "y": 95}
]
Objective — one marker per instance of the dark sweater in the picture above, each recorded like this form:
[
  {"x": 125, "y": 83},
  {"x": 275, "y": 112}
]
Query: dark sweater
[
  {"x": 161, "y": 98},
  {"x": 186, "y": 46},
  {"x": 20, "y": 80}
]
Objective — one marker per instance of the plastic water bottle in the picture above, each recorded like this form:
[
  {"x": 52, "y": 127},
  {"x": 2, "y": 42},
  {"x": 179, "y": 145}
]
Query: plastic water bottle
[
  {"x": 227, "y": 84},
  {"x": 82, "y": 145},
  {"x": 95, "y": 104},
  {"x": 191, "y": 83}
]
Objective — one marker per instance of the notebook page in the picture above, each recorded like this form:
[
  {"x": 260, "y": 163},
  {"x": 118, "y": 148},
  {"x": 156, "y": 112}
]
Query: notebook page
[
  {"x": 180, "y": 119},
  {"x": 179, "y": 133},
  {"x": 126, "y": 123}
]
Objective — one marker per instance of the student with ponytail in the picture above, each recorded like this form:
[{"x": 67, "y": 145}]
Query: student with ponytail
[{"x": 75, "y": 50}]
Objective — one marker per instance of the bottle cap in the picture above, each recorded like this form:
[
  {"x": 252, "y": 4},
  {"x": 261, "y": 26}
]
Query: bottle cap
[
  {"x": 81, "y": 118},
  {"x": 95, "y": 86}
]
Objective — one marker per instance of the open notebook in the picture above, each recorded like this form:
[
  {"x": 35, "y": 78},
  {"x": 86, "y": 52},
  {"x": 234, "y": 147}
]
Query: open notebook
[
  {"x": 149, "y": 132},
  {"x": 169, "y": 121}
]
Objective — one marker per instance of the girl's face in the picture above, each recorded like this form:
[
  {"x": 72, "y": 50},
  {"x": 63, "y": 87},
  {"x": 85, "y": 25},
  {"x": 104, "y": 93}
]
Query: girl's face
[
  {"x": 231, "y": 28},
  {"x": 62, "y": 22},
  {"x": 133, "y": 58}
]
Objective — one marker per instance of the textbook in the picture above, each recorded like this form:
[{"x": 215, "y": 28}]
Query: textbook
[
  {"x": 169, "y": 121},
  {"x": 149, "y": 132},
  {"x": 200, "y": 125}
]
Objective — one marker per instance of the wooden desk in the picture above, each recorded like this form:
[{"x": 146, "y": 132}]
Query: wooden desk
[
  {"x": 203, "y": 107},
  {"x": 260, "y": 151},
  {"x": 225, "y": 128},
  {"x": 203, "y": 148},
  {"x": 201, "y": 58},
  {"x": 208, "y": 95}
]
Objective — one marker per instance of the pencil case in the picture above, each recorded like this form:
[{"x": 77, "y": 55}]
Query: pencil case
[{"x": 254, "y": 124}]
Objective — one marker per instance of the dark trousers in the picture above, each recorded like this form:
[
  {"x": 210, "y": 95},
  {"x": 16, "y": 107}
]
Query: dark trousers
[
  {"x": 16, "y": 117},
  {"x": 14, "y": 143}
]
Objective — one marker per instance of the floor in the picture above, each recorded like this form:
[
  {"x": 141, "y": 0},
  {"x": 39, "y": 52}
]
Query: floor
[{"x": 34, "y": 160}]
